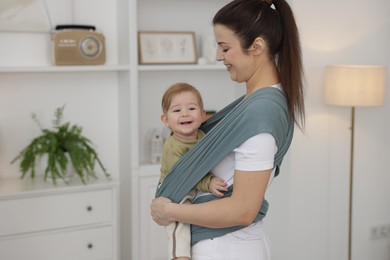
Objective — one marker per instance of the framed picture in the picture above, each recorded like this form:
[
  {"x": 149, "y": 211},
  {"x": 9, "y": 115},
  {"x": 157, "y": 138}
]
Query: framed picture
[{"x": 167, "y": 48}]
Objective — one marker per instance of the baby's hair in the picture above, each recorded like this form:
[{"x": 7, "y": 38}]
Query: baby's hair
[{"x": 176, "y": 89}]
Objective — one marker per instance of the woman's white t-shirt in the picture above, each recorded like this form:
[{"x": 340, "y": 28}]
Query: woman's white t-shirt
[{"x": 255, "y": 154}]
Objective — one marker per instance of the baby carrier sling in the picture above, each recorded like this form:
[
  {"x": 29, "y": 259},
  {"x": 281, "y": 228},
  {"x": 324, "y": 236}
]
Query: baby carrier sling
[{"x": 264, "y": 111}]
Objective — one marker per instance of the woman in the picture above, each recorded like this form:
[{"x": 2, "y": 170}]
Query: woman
[{"x": 258, "y": 42}]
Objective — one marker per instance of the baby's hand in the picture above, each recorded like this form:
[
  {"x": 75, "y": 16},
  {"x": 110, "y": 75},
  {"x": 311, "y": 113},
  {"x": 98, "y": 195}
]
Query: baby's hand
[{"x": 217, "y": 186}]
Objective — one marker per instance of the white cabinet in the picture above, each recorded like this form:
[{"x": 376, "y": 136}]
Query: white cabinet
[
  {"x": 40, "y": 221},
  {"x": 150, "y": 240}
]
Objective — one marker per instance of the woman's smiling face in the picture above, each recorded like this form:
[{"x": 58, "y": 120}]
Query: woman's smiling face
[{"x": 229, "y": 51}]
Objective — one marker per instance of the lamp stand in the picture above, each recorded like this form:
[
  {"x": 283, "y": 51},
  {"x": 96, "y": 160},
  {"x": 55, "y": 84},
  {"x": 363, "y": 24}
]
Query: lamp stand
[{"x": 351, "y": 184}]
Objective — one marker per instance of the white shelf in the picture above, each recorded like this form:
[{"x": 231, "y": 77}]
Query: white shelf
[
  {"x": 190, "y": 67},
  {"x": 42, "y": 69}
]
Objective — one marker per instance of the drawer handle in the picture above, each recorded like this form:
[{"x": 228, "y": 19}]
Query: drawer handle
[
  {"x": 89, "y": 208},
  {"x": 90, "y": 246}
]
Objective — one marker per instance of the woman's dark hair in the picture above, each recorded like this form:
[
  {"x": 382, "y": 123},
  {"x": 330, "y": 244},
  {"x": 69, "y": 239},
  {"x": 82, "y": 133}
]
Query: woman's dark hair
[{"x": 274, "y": 22}]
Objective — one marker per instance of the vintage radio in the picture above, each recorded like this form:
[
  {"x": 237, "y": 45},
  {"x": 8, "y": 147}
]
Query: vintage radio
[{"x": 78, "y": 45}]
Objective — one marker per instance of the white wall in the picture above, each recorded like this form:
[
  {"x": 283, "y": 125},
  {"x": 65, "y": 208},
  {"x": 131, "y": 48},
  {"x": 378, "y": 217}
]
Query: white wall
[{"x": 309, "y": 201}]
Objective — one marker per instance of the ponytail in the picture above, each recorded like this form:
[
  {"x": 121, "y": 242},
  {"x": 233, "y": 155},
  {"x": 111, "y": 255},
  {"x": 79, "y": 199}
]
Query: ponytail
[{"x": 289, "y": 62}]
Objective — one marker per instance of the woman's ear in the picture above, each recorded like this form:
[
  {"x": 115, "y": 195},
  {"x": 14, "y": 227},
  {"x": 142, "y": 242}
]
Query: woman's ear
[{"x": 258, "y": 46}]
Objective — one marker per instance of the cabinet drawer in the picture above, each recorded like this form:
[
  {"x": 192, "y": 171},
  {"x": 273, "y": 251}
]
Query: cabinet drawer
[
  {"x": 55, "y": 211},
  {"x": 86, "y": 244}
]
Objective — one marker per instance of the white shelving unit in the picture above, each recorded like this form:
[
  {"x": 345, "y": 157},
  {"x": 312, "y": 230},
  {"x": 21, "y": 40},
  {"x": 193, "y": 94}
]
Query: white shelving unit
[
  {"x": 147, "y": 85},
  {"x": 138, "y": 90},
  {"x": 151, "y": 81},
  {"x": 38, "y": 218}
]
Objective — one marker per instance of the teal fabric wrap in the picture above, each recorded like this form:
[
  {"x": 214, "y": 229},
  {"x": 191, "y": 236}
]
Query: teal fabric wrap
[{"x": 264, "y": 111}]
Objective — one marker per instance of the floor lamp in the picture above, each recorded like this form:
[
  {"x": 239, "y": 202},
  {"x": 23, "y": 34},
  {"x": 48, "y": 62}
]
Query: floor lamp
[{"x": 354, "y": 86}]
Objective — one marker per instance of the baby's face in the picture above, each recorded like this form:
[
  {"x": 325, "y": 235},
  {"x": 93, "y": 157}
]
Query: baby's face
[{"x": 184, "y": 115}]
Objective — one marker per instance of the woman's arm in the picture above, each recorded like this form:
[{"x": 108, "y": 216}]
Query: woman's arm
[{"x": 239, "y": 209}]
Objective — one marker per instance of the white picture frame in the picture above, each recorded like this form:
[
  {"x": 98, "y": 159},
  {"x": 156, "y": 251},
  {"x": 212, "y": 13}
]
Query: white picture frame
[{"x": 158, "y": 47}]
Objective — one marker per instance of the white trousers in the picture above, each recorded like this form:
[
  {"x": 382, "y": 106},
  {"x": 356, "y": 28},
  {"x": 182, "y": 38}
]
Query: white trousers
[
  {"x": 179, "y": 234},
  {"x": 250, "y": 243}
]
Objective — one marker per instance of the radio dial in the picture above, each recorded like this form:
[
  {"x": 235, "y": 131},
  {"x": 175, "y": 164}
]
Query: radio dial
[{"x": 90, "y": 47}]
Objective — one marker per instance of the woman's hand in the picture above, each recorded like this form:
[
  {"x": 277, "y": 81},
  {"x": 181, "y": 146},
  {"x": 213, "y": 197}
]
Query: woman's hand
[{"x": 159, "y": 211}]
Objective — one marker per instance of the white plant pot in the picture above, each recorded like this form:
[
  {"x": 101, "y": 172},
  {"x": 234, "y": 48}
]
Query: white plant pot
[{"x": 41, "y": 168}]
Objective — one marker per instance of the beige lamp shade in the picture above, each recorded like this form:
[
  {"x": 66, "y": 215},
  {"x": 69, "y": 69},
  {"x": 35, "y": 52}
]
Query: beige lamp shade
[{"x": 355, "y": 85}]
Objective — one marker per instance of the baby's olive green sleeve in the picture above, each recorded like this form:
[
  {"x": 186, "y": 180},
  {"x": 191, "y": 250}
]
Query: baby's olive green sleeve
[{"x": 203, "y": 185}]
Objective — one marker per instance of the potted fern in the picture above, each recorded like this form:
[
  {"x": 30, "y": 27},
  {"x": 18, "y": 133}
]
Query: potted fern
[{"x": 62, "y": 146}]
